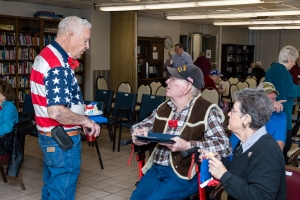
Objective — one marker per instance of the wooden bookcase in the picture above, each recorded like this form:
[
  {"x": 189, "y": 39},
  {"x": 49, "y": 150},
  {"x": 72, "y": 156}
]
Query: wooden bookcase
[
  {"x": 236, "y": 59},
  {"x": 21, "y": 40},
  {"x": 151, "y": 50}
]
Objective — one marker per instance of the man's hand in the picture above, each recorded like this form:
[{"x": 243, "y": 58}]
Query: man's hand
[
  {"x": 179, "y": 145},
  {"x": 143, "y": 132},
  {"x": 206, "y": 154},
  {"x": 216, "y": 168},
  {"x": 278, "y": 105},
  {"x": 91, "y": 128}
]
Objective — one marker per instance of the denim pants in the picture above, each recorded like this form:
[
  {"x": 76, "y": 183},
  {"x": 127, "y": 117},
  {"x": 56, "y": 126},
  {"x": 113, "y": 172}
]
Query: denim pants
[
  {"x": 160, "y": 182},
  {"x": 61, "y": 168}
]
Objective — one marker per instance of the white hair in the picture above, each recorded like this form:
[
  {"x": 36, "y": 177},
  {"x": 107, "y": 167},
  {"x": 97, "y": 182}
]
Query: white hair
[
  {"x": 74, "y": 24},
  {"x": 288, "y": 52}
]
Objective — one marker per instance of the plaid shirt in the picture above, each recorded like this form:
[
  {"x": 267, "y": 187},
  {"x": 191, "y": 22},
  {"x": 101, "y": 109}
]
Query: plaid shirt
[{"x": 216, "y": 139}]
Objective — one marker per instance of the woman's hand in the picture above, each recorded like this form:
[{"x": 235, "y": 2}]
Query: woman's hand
[
  {"x": 143, "y": 132},
  {"x": 207, "y": 154},
  {"x": 216, "y": 168},
  {"x": 179, "y": 145}
]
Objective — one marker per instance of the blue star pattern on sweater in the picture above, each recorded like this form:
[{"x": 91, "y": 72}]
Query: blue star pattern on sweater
[{"x": 62, "y": 87}]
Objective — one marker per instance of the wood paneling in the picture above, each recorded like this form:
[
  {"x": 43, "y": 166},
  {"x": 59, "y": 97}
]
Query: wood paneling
[{"x": 123, "y": 40}]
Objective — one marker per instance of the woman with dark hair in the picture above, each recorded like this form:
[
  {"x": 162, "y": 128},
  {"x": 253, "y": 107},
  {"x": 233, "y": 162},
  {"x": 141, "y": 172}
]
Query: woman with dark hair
[
  {"x": 257, "y": 170},
  {"x": 8, "y": 110}
]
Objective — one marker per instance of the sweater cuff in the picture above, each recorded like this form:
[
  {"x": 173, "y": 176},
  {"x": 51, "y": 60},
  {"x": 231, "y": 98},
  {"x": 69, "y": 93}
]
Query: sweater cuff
[{"x": 226, "y": 176}]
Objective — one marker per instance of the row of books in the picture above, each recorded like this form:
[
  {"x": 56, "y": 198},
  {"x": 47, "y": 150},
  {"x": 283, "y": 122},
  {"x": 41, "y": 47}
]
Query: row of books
[
  {"x": 7, "y": 39},
  {"x": 10, "y": 68},
  {"x": 22, "y": 93},
  {"x": 7, "y": 54},
  {"x": 48, "y": 39},
  {"x": 27, "y": 53},
  {"x": 24, "y": 81},
  {"x": 29, "y": 40},
  {"x": 11, "y": 80}
]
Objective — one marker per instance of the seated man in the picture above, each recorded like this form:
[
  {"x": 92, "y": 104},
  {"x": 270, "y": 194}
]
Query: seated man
[
  {"x": 194, "y": 122},
  {"x": 210, "y": 81},
  {"x": 276, "y": 126}
]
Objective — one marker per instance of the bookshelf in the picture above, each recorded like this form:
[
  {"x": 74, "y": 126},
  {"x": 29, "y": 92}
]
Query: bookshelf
[
  {"x": 21, "y": 40},
  {"x": 236, "y": 59}
]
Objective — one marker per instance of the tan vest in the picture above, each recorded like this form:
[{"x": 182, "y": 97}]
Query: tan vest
[{"x": 193, "y": 130}]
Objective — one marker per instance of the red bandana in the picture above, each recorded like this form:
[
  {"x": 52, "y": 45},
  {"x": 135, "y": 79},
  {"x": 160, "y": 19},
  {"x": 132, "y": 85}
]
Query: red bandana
[
  {"x": 73, "y": 63},
  {"x": 0, "y": 107},
  {"x": 173, "y": 123}
]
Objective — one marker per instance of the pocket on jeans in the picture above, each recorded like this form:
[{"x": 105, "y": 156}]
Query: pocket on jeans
[{"x": 53, "y": 155}]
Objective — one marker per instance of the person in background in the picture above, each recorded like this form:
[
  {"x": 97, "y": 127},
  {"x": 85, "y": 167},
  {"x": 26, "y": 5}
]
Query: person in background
[
  {"x": 57, "y": 101},
  {"x": 194, "y": 122},
  {"x": 258, "y": 71},
  {"x": 282, "y": 80},
  {"x": 210, "y": 81},
  {"x": 276, "y": 126},
  {"x": 180, "y": 58},
  {"x": 8, "y": 111},
  {"x": 203, "y": 63},
  {"x": 171, "y": 52},
  {"x": 257, "y": 170},
  {"x": 294, "y": 71}
]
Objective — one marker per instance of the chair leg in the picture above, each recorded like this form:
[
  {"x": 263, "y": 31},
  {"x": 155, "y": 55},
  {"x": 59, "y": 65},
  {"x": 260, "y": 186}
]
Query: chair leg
[
  {"x": 114, "y": 136},
  {"x": 20, "y": 180},
  {"x": 99, "y": 155},
  {"x": 110, "y": 132},
  {"x": 3, "y": 174},
  {"x": 119, "y": 141}
]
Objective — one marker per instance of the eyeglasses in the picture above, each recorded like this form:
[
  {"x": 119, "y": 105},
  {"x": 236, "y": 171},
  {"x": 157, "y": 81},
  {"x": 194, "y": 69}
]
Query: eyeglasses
[{"x": 234, "y": 111}]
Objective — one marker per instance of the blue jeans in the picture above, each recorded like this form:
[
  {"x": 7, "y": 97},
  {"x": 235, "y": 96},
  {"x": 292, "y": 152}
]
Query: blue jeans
[
  {"x": 61, "y": 168},
  {"x": 160, "y": 182}
]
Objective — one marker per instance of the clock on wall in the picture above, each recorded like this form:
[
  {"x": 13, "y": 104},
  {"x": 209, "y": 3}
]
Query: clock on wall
[{"x": 168, "y": 42}]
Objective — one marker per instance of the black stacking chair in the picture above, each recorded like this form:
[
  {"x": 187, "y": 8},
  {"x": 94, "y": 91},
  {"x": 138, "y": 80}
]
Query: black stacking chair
[
  {"x": 100, "y": 106},
  {"x": 148, "y": 104},
  {"x": 123, "y": 112}
]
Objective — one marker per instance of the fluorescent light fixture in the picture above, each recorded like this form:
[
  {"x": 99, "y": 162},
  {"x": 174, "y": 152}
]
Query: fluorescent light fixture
[
  {"x": 256, "y": 22},
  {"x": 170, "y": 5},
  {"x": 178, "y": 5},
  {"x": 234, "y": 15},
  {"x": 122, "y": 8},
  {"x": 273, "y": 27}
]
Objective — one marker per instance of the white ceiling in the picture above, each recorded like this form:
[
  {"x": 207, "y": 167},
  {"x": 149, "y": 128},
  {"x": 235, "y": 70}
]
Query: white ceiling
[{"x": 268, "y": 5}]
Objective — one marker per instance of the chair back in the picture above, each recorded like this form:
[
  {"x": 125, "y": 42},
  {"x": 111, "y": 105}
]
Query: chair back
[
  {"x": 149, "y": 103},
  {"x": 143, "y": 89},
  {"x": 161, "y": 91},
  {"x": 262, "y": 80},
  {"x": 28, "y": 106},
  {"x": 105, "y": 96},
  {"x": 124, "y": 87},
  {"x": 292, "y": 182},
  {"x": 101, "y": 83},
  {"x": 100, "y": 105},
  {"x": 233, "y": 80},
  {"x": 125, "y": 101},
  {"x": 154, "y": 86},
  {"x": 211, "y": 94},
  {"x": 233, "y": 88},
  {"x": 242, "y": 85},
  {"x": 226, "y": 86},
  {"x": 252, "y": 82}
]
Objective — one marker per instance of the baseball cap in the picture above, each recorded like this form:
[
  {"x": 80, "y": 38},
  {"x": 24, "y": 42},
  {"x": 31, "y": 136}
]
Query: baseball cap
[
  {"x": 215, "y": 72},
  {"x": 267, "y": 87},
  {"x": 190, "y": 73}
]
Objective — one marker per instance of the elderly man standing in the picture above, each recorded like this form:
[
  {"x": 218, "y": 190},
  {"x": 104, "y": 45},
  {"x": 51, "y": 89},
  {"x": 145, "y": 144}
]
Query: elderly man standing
[
  {"x": 194, "y": 122},
  {"x": 180, "y": 58},
  {"x": 58, "y": 101}
]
